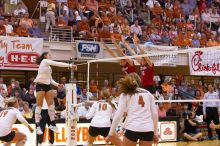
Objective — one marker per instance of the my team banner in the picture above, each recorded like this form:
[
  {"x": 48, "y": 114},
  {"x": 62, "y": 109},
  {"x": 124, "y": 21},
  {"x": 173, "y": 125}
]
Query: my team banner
[
  {"x": 205, "y": 62},
  {"x": 162, "y": 59},
  {"x": 19, "y": 53},
  {"x": 89, "y": 50}
]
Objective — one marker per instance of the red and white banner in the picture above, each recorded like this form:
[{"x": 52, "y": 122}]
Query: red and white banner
[
  {"x": 19, "y": 53},
  {"x": 205, "y": 62}
]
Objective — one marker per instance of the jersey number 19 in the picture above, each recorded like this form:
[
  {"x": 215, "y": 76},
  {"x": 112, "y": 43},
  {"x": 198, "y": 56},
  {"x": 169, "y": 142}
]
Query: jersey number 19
[{"x": 3, "y": 113}]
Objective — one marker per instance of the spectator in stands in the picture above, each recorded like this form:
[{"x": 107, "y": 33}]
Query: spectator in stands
[
  {"x": 92, "y": 6},
  {"x": 64, "y": 9},
  {"x": 19, "y": 11},
  {"x": 22, "y": 31},
  {"x": 186, "y": 8},
  {"x": 195, "y": 41},
  {"x": 30, "y": 98},
  {"x": 136, "y": 28},
  {"x": 27, "y": 113},
  {"x": 215, "y": 19},
  {"x": 18, "y": 89},
  {"x": 50, "y": 15},
  {"x": 211, "y": 109},
  {"x": 161, "y": 111},
  {"x": 8, "y": 28},
  {"x": 35, "y": 31},
  {"x": 106, "y": 85},
  {"x": 85, "y": 95},
  {"x": 61, "y": 95},
  {"x": 93, "y": 88},
  {"x": 26, "y": 21},
  {"x": 83, "y": 110},
  {"x": 190, "y": 132},
  {"x": 2, "y": 28},
  {"x": 3, "y": 85},
  {"x": 11, "y": 85}
]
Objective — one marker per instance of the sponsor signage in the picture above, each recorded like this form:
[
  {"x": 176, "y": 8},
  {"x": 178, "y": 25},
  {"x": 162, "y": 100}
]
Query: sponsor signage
[
  {"x": 204, "y": 62},
  {"x": 19, "y": 53},
  {"x": 89, "y": 50}
]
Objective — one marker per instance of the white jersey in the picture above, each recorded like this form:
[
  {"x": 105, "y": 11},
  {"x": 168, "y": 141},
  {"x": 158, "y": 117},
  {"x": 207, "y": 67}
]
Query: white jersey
[
  {"x": 102, "y": 112},
  {"x": 141, "y": 111},
  {"x": 44, "y": 75},
  {"x": 7, "y": 118}
]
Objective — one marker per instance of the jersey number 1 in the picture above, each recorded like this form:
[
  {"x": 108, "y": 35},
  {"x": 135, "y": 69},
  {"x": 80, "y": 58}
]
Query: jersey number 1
[
  {"x": 3, "y": 113},
  {"x": 102, "y": 107},
  {"x": 141, "y": 101}
]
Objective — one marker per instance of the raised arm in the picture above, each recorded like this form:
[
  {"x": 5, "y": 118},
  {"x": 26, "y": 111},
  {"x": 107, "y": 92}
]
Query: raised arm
[
  {"x": 58, "y": 64},
  {"x": 136, "y": 42},
  {"x": 120, "y": 50},
  {"x": 127, "y": 45},
  {"x": 154, "y": 113}
]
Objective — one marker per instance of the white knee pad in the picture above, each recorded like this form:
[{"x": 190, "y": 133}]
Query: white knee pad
[
  {"x": 38, "y": 114},
  {"x": 51, "y": 112}
]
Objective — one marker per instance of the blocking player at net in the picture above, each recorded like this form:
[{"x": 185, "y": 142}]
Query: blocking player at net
[
  {"x": 102, "y": 112},
  {"x": 142, "y": 116},
  {"x": 44, "y": 81},
  {"x": 8, "y": 117}
]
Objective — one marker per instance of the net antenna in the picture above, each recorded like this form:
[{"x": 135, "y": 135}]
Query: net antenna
[{"x": 71, "y": 109}]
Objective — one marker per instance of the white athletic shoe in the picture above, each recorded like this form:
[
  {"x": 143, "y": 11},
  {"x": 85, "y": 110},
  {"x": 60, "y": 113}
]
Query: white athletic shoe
[
  {"x": 54, "y": 129},
  {"x": 87, "y": 144},
  {"x": 39, "y": 131},
  {"x": 39, "y": 144}
]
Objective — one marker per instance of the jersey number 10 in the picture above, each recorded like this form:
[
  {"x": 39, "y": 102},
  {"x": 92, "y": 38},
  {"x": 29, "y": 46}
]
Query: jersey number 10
[
  {"x": 3, "y": 113},
  {"x": 103, "y": 107}
]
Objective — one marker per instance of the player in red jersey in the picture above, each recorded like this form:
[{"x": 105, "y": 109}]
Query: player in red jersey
[
  {"x": 146, "y": 68},
  {"x": 128, "y": 66}
]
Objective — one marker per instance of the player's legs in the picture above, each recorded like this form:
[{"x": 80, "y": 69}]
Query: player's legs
[
  {"x": 49, "y": 96},
  {"x": 145, "y": 143},
  {"x": 91, "y": 140},
  {"x": 39, "y": 103},
  {"x": 189, "y": 137},
  {"x": 198, "y": 135},
  {"x": 20, "y": 139},
  {"x": 127, "y": 142},
  {"x": 115, "y": 140}
]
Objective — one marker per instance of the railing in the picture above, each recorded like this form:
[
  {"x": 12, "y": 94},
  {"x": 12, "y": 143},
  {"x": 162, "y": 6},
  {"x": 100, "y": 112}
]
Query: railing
[{"x": 61, "y": 34}]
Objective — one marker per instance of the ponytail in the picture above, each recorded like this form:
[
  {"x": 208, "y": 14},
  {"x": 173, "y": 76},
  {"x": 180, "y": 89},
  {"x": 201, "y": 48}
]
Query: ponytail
[
  {"x": 40, "y": 58},
  {"x": 128, "y": 85},
  {"x": 105, "y": 94}
]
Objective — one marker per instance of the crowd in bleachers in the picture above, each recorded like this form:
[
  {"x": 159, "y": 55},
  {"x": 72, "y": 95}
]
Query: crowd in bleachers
[{"x": 184, "y": 23}]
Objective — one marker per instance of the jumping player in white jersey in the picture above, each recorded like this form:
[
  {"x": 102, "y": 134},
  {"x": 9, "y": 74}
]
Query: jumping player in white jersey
[
  {"x": 142, "y": 117},
  {"x": 44, "y": 81},
  {"x": 102, "y": 111},
  {"x": 8, "y": 117}
]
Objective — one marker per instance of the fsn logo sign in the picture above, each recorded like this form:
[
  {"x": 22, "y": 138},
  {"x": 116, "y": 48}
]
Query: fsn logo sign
[{"x": 88, "y": 48}]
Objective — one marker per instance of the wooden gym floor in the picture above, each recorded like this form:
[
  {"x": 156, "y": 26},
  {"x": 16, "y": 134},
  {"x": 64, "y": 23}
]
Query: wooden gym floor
[{"x": 202, "y": 143}]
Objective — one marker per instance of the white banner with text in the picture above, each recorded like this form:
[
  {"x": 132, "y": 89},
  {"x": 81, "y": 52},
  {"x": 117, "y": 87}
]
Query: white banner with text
[
  {"x": 205, "y": 62},
  {"x": 19, "y": 53}
]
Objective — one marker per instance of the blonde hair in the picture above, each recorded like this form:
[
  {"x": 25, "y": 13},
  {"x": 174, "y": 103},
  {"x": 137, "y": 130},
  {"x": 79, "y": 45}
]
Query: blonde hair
[
  {"x": 10, "y": 102},
  {"x": 105, "y": 94},
  {"x": 127, "y": 85}
]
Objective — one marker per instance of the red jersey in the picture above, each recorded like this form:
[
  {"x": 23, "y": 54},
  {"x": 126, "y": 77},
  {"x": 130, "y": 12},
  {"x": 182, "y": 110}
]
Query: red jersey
[
  {"x": 127, "y": 69},
  {"x": 147, "y": 75}
]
